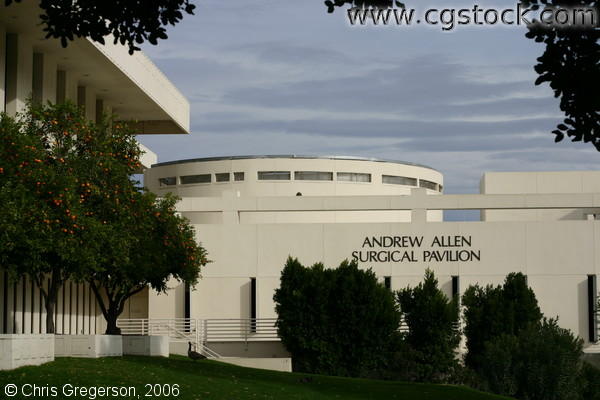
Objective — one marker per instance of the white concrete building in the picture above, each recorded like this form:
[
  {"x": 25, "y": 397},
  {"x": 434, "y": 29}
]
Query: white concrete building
[{"x": 251, "y": 213}]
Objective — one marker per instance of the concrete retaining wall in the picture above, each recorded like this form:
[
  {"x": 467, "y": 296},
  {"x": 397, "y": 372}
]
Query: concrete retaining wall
[
  {"x": 273, "y": 364},
  {"x": 146, "y": 345},
  {"x": 23, "y": 349},
  {"x": 88, "y": 346}
]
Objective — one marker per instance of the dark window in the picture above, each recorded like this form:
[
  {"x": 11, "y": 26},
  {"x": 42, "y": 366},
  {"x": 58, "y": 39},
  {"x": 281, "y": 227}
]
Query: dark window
[
  {"x": 252, "y": 304},
  {"x": 238, "y": 176},
  {"x": 313, "y": 176},
  {"x": 274, "y": 175},
  {"x": 223, "y": 177},
  {"x": 189, "y": 179},
  {"x": 399, "y": 180},
  {"x": 187, "y": 309},
  {"x": 353, "y": 177},
  {"x": 455, "y": 286},
  {"x": 169, "y": 181},
  {"x": 592, "y": 316},
  {"x": 428, "y": 184},
  {"x": 387, "y": 282}
]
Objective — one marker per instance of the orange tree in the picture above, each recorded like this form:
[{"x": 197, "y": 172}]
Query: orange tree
[
  {"x": 142, "y": 243},
  {"x": 138, "y": 240},
  {"x": 72, "y": 211},
  {"x": 43, "y": 220}
]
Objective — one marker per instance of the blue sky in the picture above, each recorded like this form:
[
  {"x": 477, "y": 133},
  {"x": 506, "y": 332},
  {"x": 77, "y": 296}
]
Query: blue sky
[{"x": 285, "y": 77}]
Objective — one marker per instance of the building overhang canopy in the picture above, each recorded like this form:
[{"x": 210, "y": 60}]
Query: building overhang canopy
[{"x": 132, "y": 85}]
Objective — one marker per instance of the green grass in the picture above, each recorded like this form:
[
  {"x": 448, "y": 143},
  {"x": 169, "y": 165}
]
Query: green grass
[{"x": 214, "y": 380}]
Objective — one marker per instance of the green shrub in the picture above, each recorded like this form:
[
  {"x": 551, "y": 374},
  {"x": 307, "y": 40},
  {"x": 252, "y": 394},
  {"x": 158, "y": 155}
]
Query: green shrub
[
  {"x": 493, "y": 311},
  {"x": 335, "y": 321},
  {"x": 590, "y": 382},
  {"x": 433, "y": 331},
  {"x": 541, "y": 362}
]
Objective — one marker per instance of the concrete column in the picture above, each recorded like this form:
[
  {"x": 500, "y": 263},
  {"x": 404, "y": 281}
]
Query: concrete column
[
  {"x": 2, "y": 68},
  {"x": 37, "y": 86},
  {"x": 50, "y": 76},
  {"x": 71, "y": 86},
  {"x": 61, "y": 86},
  {"x": 86, "y": 98},
  {"x": 418, "y": 214},
  {"x": 19, "y": 72},
  {"x": 90, "y": 104},
  {"x": 99, "y": 110}
]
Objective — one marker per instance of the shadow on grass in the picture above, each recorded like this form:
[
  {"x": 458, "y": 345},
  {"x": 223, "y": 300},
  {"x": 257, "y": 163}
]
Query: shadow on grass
[{"x": 326, "y": 386}]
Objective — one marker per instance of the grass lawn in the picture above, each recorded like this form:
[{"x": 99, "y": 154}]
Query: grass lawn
[{"x": 213, "y": 380}]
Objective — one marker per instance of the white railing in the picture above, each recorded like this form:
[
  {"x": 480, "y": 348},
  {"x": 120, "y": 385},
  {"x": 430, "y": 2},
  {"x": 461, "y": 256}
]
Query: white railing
[
  {"x": 179, "y": 330},
  {"x": 240, "y": 329},
  {"x": 202, "y": 331},
  {"x": 598, "y": 326}
]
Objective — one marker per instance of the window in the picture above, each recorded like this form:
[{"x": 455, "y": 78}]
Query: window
[
  {"x": 223, "y": 177},
  {"x": 253, "y": 305},
  {"x": 455, "y": 286},
  {"x": 353, "y": 177},
  {"x": 188, "y": 179},
  {"x": 274, "y": 175},
  {"x": 313, "y": 176},
  {"x": 387, "y": 282},
  {"x": 428, "y": 184},
  {"x": 441, "y": 188},
  {"x": 187, "y": 307},
  {"x": 238, "y": 176},
  {"x": 399, "y": 180},
  {"x": 169, "y": 181},
  {"x": 592, "y": 299}
]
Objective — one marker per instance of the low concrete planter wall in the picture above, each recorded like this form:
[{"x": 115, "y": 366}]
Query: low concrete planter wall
[
  {"x": 146, "y": 345},
  {"x": 23, "y": 349},
  {"x": 88, "y": 346},
  {"x": 273, "y": 364}
]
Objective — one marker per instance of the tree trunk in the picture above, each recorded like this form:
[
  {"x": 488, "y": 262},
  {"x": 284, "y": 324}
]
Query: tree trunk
[
  {"x": 111, "y": 321},
  {"x": 50, "y": 297},
  {"x": 116, "y": 301},
  {"x": 50, "y": 328}
]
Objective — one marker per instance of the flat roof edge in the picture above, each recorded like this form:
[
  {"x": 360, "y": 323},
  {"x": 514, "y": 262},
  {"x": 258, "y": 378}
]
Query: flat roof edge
[
  {"x": 143, "y": 73},
  {"x": 293, "y": 156}
]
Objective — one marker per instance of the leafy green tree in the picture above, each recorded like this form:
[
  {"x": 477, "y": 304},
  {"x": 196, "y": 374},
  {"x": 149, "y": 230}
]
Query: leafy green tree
[
  {"x": 540, "y": 362},
  {"x": 335, "y": 321},
  {"x": 43, "y": 219},
  {"x": 570, "y": 64},
  {"x": 590, "y": 382},
  {"x": 433, "y": 334},
  {"x": 493, "y": 311},
  {"x": 129, "y": 22},
  {"x": 145, "y": 243},
  {"x": 138, "y": 240},
  {"x": 71, "y": 211}
]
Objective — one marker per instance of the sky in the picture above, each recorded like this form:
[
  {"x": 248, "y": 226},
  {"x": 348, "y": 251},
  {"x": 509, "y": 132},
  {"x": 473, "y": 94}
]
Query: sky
[{"x": 286, "y": 77}]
